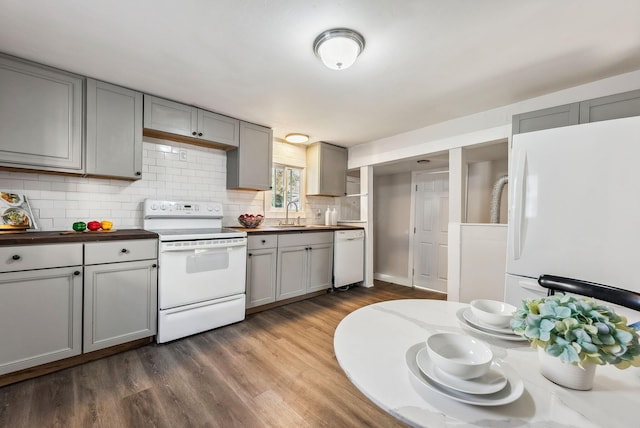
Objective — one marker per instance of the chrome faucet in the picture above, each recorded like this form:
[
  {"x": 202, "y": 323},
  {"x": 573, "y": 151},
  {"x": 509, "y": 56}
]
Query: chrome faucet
[{"x": 286, "y": 215}]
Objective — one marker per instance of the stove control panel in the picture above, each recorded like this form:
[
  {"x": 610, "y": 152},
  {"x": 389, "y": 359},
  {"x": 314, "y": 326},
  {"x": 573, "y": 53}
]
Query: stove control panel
[{"x": 154, "y": 208}]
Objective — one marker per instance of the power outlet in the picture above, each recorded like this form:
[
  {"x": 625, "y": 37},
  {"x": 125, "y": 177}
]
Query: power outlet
[{"x": 183, "y": 155}]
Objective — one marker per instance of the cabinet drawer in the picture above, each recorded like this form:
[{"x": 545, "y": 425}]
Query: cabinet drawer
[
  {"x": 120, "y": 251},
  {"x": 305, "y": 238},
  {"x": 27, "y": 257},
  {"x": 262, "y": 241}
]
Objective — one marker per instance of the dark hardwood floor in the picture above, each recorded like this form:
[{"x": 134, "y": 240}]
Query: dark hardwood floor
[{"x": 275, "y": 369}]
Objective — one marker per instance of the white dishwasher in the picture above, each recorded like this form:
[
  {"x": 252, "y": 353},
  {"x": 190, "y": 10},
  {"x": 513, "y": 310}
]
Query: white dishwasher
[{"x": 348, "y": 257}]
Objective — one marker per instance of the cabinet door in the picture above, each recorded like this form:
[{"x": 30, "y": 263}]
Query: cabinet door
[
  {"x": 218, "y": 128},
  {"x": 120, "y": 303},
  {"x": 333, "y": 170},
  {"x": 41, "y": 117},
  {"x": 548, "y": 118},
  {"x": 169, "y": 116},
  {"x": 114, "y": 131},
  {"x": 261, "y": 277},
  {"x": 320, "y": 267},
  {"x": 326, "y": 170},
  {"x": 611, "y": 107},
  {"x": 40, "y": 317},
  {"x": 249, "y": 166},
  {"x": 292, "y": 272}
]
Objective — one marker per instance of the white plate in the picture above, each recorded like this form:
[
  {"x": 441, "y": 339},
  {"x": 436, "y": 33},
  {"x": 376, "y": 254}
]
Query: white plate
[
  {"x": 510, "y": 393},
  {"x": 512, "y": 336},
  {"x": 472, "y": 319},
  {"x": 489, "y": 383},
  {"x": 11, "y": 199}
]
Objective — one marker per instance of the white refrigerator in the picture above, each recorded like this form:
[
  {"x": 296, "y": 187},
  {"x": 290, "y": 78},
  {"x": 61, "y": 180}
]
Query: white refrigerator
[{"x": 574, "y": 207}]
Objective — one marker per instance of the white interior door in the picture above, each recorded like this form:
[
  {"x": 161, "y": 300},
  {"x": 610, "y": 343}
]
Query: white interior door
[{"x": 431, "y": 223}]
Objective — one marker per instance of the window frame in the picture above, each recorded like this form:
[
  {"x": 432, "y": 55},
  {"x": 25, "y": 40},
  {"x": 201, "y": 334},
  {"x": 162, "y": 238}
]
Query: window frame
[{"x": 279, "y": 212}]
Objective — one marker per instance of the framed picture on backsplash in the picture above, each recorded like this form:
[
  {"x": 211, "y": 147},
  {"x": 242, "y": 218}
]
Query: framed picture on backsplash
[{"x": 15, "y": 213}]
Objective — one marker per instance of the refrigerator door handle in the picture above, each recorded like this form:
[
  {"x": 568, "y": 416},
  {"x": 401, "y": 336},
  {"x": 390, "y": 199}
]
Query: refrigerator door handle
[{"x": 519, "y": 201}]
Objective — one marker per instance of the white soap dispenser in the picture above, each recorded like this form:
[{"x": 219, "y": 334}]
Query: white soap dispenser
[
  {"x": 327, "y": 217},
  {"x": 334, "y": 217}
]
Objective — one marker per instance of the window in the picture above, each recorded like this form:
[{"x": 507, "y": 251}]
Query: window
[{"x": 287, "y": 184}]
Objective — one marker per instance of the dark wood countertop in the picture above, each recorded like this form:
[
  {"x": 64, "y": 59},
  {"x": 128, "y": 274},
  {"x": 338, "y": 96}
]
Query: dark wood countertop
[
  {"x": 263, "y": 230},
  {"x": 61, "y": 237}
]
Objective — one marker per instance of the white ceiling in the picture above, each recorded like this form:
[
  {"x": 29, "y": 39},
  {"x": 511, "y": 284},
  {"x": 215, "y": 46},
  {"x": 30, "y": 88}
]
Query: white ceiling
[{"x": 425, "y": 61}]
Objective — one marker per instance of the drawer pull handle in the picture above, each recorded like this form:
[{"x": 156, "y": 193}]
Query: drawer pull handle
[
  {"x": 76, "y": 273},
  {"x": 16, "y": 257},
  {"x": 154, "y": 265},
  {"x": 249, "y": 254},
  {"x": 124, "y": 251}
]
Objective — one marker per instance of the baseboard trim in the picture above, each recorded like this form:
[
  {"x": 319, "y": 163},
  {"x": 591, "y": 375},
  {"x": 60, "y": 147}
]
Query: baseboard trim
[
  {"x": 430, "y": 289},
  {"x": 393, "y": 279}
]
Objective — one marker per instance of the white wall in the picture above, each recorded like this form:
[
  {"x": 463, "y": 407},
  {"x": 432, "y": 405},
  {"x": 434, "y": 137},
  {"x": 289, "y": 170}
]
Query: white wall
[
  {"x": 392, "y": 209},
  {"x": 58, "y": 201},
  {"x": 483, "y": 257},
  {"x": 481, "y": 176},
  {"x": 483, "y": 127}
]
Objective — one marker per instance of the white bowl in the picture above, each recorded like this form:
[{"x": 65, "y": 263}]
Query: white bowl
[
  {"x": 459, "y": 355},
  {"x": 492, "y": 312}
]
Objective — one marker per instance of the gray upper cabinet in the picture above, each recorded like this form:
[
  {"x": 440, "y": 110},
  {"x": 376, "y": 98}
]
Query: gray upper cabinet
[
  {"x": 41, "y": 116},
  {"x": 249, "y": 166},
  {"x": 186, "y": 121},
  {"x": 616, "y": 106},
  {"x": 114, "y": 131},
  {"x": 553, "y": 117},
  {"x": 611, "y": 107},
  {"x": 168, "y": 116},
  {"x": 326, "y": 170},
  {"x": 218, "y": 128}
]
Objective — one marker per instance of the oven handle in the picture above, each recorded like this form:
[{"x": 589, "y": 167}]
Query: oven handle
[{"x": 230, "y": 247}]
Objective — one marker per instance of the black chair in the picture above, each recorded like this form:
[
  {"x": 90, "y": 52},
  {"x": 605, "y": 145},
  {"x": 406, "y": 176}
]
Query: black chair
[{"x": 607, "y": 293}]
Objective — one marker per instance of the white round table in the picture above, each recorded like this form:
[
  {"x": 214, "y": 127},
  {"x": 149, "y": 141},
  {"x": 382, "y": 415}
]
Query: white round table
[{"x": 371, "y": 346}]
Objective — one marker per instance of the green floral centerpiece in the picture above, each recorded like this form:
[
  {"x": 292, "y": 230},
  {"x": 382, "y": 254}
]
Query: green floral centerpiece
[{"x": 578, "y": 331}]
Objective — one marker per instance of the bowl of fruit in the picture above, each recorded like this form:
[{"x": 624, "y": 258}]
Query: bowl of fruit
[{"x": 251, "y": 221}]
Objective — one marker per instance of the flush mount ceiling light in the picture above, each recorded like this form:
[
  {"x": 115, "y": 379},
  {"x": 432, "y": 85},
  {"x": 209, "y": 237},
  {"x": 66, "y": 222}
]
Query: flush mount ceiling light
[
  {"x": 338, "y": 48},
  {"x": 296, "y": 138}
]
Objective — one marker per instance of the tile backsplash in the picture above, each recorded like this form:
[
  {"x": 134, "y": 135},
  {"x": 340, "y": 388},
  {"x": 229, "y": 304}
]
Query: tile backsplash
[
  {"x": 171, "y": 170},
  {"x": 57, "y": 201}
]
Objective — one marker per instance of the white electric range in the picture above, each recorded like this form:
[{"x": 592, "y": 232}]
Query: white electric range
[{"x": 201, "y": 275}]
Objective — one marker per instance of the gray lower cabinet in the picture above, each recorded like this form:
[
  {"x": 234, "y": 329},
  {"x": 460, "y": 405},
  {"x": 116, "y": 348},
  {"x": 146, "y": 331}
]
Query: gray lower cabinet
[
  {"x": 114, "y": 131},
  {"x": 305, "y": 263},
  {"x": 40, "y": 304},
  {"x": 616, "y": 106},
  {"x": 262, "y": 259},
  {"x": 320, "y": 267},
  {"x": 326, "y": 170},
  {"x": 120, "y": 292},
  {"x": 187, "y": 121},
  {"x": 292, "y": 272},
  {"x": 41, "y": 116},
  {"x": 249, "y": 166}
]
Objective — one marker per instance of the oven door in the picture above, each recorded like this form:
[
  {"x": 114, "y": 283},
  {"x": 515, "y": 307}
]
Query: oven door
[{"x": 201, "y": 270}]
